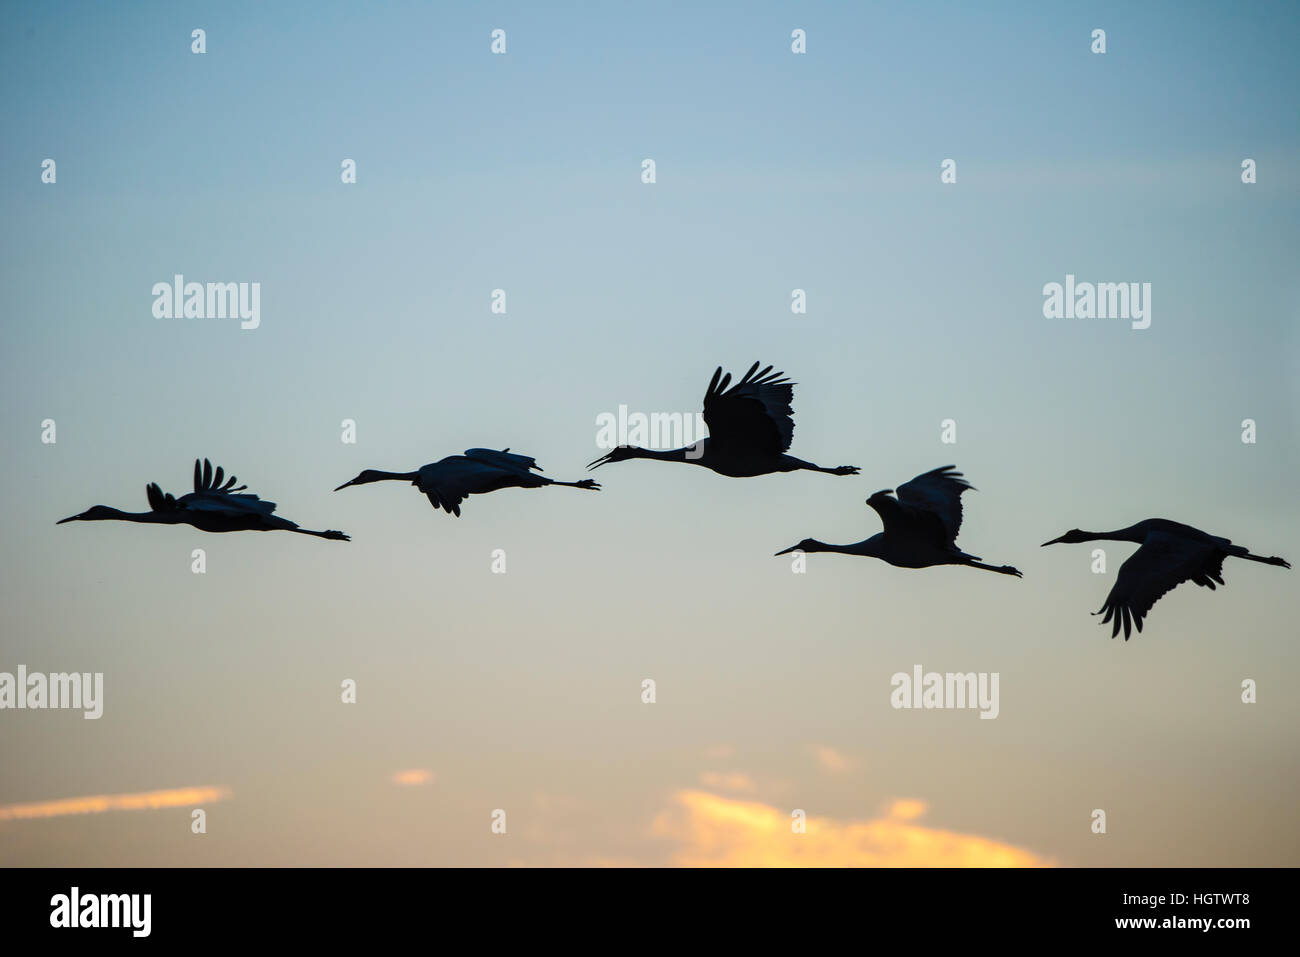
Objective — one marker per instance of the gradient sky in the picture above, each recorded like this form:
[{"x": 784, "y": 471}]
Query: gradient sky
[{"x": 522, "y": 691}]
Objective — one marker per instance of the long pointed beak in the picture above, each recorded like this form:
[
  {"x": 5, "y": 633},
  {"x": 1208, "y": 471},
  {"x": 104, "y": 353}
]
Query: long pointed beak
[
  {"x": 346, "y": 484},
  {"x": 70, "y": 518},
  {"x": 1055, "y": 541},
  {"x": 786, "y": 551},
  {"x": 597, "y": 463}
]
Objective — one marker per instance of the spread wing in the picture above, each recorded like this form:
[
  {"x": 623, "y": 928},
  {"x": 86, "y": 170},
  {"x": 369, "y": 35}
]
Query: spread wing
[
  {"x": 754, "y": 413},
  {"x": 160, "y": 501},
  {"x": 939, "y": 493},
  {"x": 505, "y": 459},
  {"x": 214, "y": 493},
  {"x": 447, "y": 501},
  {"x": 449, "y": 481},
  {"x": 1162, "y": 564}
]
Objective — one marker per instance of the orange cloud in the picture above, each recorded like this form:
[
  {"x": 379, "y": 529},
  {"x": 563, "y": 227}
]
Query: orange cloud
[
  {"x": 715, "y": 831},
  {"x": 99, "y": 803},
  {"x": 412, "y": 777}
]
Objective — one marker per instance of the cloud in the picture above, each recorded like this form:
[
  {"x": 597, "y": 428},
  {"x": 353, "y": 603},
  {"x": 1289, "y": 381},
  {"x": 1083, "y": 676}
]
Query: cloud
[
  {"x": 729, "y": 781},
  {"x": 829, "y": 759},
  {"x": 412, "y": 777},
  {"x": 99, "y": 803},
  {"x": 715, "y": 831}
]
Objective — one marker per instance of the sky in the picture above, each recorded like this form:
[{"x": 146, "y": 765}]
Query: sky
[{"x": 521, "y": 692}]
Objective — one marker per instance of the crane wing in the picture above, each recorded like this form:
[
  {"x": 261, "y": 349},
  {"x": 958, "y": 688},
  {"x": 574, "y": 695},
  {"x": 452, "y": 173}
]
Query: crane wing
[
  {"x": 160, "y": 501},
  {"x": 939, "y": 493},
  {"x": 447, "y": 501},
  {"x": 206, "y": 481},
  {"x": 227, "y": 504},
  {"x": 213, "y": 492},
  {"x": 1162, "y": 564},
  {"x": 754, "y": 413},
  {"x": 449, "y": 481},
  {"x": 907, "y": 522},
  {"x": 504, "y": 459}
]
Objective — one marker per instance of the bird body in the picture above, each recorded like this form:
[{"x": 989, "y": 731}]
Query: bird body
[
  {"x": 213, "y": 506},
  {"x": 921, "y": 526},
  {"x": 751, "y": 426},
  {"x": 450, "y": 480},
  {"x": 1171, "y": 553},
  {"x": 898, "y": 550}
]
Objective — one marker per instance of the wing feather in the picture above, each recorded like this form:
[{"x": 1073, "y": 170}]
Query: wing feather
[
  {"x": 448, "y": 502},
  {"x": 755, "y": 413},
  {"x": 503, "y": 459},
  {"x": 159, "y": 501},
  {"x": 1160, "y": 565},
  {"x": 210, "y": 495},
  {"x": 939, "y": 493}
]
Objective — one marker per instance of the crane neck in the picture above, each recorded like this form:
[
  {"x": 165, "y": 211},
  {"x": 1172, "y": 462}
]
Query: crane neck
[
  {"x": 1131, "y": 534},
  {"x": 667, "y": 455},
  {"x": 110, "y": 514},
  {"x": 856, "y": 548},
  {"x": 378, "y": 475}
]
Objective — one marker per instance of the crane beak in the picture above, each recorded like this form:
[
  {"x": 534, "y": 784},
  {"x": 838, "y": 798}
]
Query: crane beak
[
  {"x": 786, "y": 551},
  {"x": 70, "y": 518},
  {"x": 346, "y": 484},
  {"x": 1055, "y": 541}
]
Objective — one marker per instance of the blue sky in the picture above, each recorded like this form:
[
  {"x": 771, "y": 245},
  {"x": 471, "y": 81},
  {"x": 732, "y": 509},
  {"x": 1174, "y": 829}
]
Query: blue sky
[{"x": 522, "y": 172}]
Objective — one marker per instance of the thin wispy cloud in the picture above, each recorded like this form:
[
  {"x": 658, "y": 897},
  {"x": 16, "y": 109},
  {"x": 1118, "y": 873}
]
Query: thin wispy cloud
[
  {"x": 727, "y": 781},
  {"x": 99, "y": 803},
  {"x": 828, "y": 759}
]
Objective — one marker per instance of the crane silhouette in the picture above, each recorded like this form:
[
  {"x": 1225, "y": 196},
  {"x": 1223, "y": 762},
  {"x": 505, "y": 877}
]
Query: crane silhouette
[
  {"x": 750, "y": 430},
  {"x": 921, "y": 526},
  {"x": 213, "y": 506},
  {"x": 1170, "y": 554},
  {"x": 478, "y": 471}
]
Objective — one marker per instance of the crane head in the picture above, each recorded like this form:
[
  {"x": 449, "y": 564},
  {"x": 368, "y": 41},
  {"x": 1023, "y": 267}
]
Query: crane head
[
  {"x": 369, "y": 475},
  {"x": 619, "y": 453},
  {"x": 1072, "y": 537},
  {"x": 807, "y": 545},
  {"x": 96, "y": 513}
]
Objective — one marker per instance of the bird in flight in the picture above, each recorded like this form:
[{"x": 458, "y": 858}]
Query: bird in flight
[
  {"x": 447, "y": 481},
  {"x": 921, "y": 526},
  {"x": 215, "y": 505},
  {"x": 750, "y": 425},
  {"x": 1170, "y": 554}
]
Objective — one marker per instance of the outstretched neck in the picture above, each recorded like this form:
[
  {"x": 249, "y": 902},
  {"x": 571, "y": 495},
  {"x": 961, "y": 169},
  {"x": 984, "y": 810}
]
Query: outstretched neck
[
  {"x": 1131, "y": 534},
  {"x": 857, "y": 548},
  {"x": 378, "y": 475},
  {"x": 688, "y": 454},
  {"x": 152, "y": 518}
]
